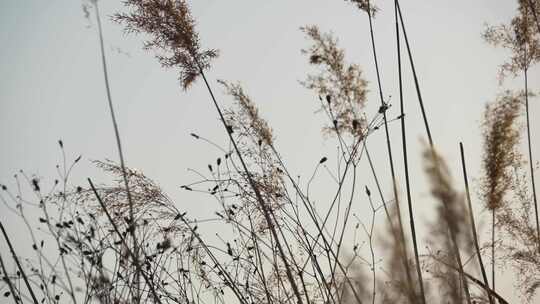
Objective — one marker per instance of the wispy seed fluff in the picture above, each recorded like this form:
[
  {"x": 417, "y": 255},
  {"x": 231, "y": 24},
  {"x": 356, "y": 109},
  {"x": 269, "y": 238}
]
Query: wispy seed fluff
[
  {"x": 342, "y": 84},
  {"x": 171, "y": 28},
  {"x": 501, "y": 139},
  {"x": 249, "y": 113},
  {"x": 365, "y": 5}
]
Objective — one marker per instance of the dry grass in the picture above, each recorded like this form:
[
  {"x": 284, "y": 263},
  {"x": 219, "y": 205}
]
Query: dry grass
[{"x": 269, "y": 240}]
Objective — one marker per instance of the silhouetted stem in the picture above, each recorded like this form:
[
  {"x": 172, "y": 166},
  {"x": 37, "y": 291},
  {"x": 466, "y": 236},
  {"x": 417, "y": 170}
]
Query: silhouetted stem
[
  {"x": 416, "y": 84},
  {"x": 8, "y": 281},
  {"x": 132, "y": 221},
  {"x": 473, "y": 224},
  {"x": 531, "y": 161},
  {"x": 405, "y": 158},
  {"x": 16, "y": 259},
  {"x": 493, "y": 248},
  {"x": 384, "y": 106}
]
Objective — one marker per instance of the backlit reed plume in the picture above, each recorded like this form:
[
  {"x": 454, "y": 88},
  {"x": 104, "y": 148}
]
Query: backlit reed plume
[
  {"x": 248, "y": 113},
  {"x": 172, "y": 30},
  {"x": 365, "y": 5},
  {"x": 501, "y": 137},
  {"x": 521, "y": 37},
  {"x": 515, "y": 210},
  {"x": 532, "y": 7},
  {"x": 341, "y": 84},
  {"x": 450, "y": 231},
  {"x": 397, "y": 288},
  {"x": 519, "y": 242}
]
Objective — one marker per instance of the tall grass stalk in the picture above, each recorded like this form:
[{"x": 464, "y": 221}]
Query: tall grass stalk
[
  {"x": 19, "y": 266},
  {"x": 400, "y": 232},
  {"x": 405, "y": 157},
  {"x": 416, "y": 82},
  {"x": 473, "y": 224},
  {"x": 133, "y": 222},
  {"x": 7, "y": 279},
  {"x": 528, "y": 123}
]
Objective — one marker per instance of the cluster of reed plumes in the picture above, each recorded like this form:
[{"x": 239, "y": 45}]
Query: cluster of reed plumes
[{"x": 128, "y": 242}]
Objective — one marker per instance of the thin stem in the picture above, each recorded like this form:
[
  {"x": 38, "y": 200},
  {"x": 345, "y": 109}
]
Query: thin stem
[
  {"x": 132, "y": 222},
  {"x": 473, "y": 224},
  {"x": 458, "y": 257},
  {"x": 493, "y": 249},
  {"x": 14, "y": 255},
  {"x": 8, "y": 281},
  {"x": 405, "y": 158},
  {"x": 416, "y": 84},
  {"x": 531, "y": 161},
  {"x": 390, "y": 157}
]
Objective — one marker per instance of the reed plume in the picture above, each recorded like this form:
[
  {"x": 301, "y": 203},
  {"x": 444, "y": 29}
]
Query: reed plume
[
  {"x": 398, "y": 287},
  {"x": 501, "y": 137},
  {"x": 519, "y": 244},
  {"x": 247, "y": 113},
  {"x": 365, "y": 5},
  {"x": 518, "y": 36},
  {"x": 171, "y": 27},
  {"x": 343, "y": 85},
  {"x": 500, "y": 153},
  {"x": 455, "y": 232}
]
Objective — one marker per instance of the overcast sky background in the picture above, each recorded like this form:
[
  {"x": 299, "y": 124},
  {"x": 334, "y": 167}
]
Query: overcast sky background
[{"x": 52, "y": 87}]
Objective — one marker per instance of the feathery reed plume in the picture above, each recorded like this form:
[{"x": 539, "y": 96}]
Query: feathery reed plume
[
  {"x": 248, "y": 112},
  {"x": 515, "y": 37},
  {"x": 398, "y": 288},
  {"x": 516, "y": 223},
  {"x": 501, "y": 137},
  {"x": 453, "y": 212},
  {"x": 534, "y": 8},
  {"x": 172, "y": 28},
  {"x": 341, "y": 84},
  {"x": 365, "y": 6}
]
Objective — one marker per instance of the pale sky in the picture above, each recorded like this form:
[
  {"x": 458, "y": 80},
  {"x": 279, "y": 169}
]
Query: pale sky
[{"x": 52, "y": 87}]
